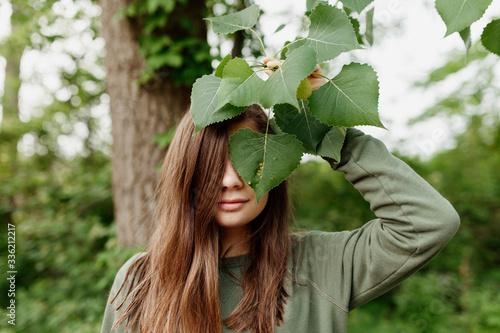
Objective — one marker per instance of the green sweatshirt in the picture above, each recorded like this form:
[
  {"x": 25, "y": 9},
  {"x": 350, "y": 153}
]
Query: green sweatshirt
[{"x": 339, "y": 271}]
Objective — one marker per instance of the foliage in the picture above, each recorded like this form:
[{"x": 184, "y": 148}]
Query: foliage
[
  {"x": 271, "y": 159},
  {"x": 490, "y": 36},
  {"x": 170, "y": 44},
  {"x": 237, "y": 85},
  {"x": 458, "y": 17},
  {"x": 66, "y": 247},
  {"x": 230, "y": 23},
  {"x": 61, "y": 204},
  {"x": 349, "y": 99}
]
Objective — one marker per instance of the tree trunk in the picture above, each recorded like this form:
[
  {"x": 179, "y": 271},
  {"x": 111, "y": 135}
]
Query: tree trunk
[{"x": 138, "y": 113}]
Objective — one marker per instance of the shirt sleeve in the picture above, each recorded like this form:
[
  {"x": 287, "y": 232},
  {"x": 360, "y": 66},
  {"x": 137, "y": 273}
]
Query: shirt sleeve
[
  {"x": 110, "y": 313},
  {"x": 414, "y": 222}
]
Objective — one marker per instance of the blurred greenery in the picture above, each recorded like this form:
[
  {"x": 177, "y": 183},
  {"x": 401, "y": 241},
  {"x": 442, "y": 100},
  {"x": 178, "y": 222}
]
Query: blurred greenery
[{"x": 66, "y": 247}]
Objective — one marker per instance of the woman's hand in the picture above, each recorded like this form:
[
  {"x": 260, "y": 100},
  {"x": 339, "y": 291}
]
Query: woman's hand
[{"x": 315, "y": 78}]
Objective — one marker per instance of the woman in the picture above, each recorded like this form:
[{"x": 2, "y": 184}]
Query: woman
[{"x": 218, "y": 261}]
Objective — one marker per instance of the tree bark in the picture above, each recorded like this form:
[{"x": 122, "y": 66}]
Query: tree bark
[{"x": 138, "y": 113}]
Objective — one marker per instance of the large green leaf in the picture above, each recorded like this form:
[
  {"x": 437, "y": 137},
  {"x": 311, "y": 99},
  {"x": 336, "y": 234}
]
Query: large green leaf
[
  {"x": 330, "y": 34},
  {"x": 357, "y": 5},
  {"x": 302, "y": 124},
  {"x": 240, "y": 84},
  {"x": 204, "y": 98},
  {"x": 281, "y": 87},
  {"x": 459, "y": 14},
  {"x": 244, "y": 19},
  {"x": 332, "y": 143},
  {"x": 264, "y": 161},
  {"x": 491, "y": 37},
  {"x": 349, "y": 99}
]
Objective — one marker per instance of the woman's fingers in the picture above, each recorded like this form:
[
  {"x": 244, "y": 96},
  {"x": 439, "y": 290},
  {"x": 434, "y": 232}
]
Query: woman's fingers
[
  {"x": 315, "y": 78},
  {"x": 267, "y": 59},
  {"x": 272, "y": 64}
]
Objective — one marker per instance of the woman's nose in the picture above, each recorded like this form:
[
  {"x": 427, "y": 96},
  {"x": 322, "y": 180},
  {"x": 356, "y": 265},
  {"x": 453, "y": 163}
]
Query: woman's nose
[{"x": 231, "y": 179}]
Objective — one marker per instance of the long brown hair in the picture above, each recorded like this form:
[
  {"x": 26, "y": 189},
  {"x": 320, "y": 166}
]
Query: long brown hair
[{"x": 174, "y": 287}]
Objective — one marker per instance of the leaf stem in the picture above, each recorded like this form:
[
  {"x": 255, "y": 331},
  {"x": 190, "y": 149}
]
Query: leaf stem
[
  {"x": 260, "y": 40},
  {"x": 324, "y": 77}
]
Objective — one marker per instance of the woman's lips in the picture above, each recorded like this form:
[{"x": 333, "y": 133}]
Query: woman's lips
[{"x": 232, "y": 205}]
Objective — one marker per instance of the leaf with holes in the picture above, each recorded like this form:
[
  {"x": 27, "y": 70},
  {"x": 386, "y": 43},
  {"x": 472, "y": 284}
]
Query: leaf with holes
[
  {"x": 264, "y": 161},
  {"x": 460, "y": 14},
  {"x": 281, "y": 87},
  {"x": 330, "y": 34},
  {"x": 240, "y": 85},
  {"x": 244, "y": 19},
  {"x": 349, "y": 99},
  {"x": 302, "y": 124},
  {"x": 332, "y": 143},
  {"x": 357, "y": 5},
  {"x": 204, "y": 97}
]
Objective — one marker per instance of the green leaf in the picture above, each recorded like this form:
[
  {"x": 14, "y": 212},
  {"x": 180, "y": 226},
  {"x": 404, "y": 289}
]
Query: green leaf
[
  {"x": 357, "y": 5},
  {"x": 304, "y": 90},
  {"x": 332, "y": 143},
  {"x": 460, "y": 14},
  {"x": 355, "y": 25},
  {"x": 204, "y": 97},
  {"x": 349, "y": 99},
  {"x": 284, "y": 50},
  {"x": 310, "y": 4},
  {"x": 330, "y": 33},
  {"x": 281, "y": 87},
  {"x": 240, "y": 85},
  {"x": 465, "y": 35},
  {"x": 264, "y": 161},
  {"x": 281, "y": 27},
  {"x": 220, "y": 68},
  {"x": 274, "y": 127},
  {"x": 369, "y": 26},
  {"x": 491, "y": 37},
  {"x": 244, "y": 19},
  {"x": 302, "y": 124}
]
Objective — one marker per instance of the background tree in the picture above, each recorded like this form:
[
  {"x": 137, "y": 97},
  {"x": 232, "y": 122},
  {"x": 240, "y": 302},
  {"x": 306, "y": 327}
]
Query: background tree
[{"x": 145, "y": 51}]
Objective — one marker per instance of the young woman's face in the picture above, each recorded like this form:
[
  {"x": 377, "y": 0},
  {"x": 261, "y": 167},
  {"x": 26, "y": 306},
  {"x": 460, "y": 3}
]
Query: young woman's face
[{"x": 238, "y": 205}]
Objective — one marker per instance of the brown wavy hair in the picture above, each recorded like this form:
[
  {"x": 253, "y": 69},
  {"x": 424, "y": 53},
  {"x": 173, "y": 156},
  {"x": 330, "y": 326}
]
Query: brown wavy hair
[{"x": 174, "y": 287}]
